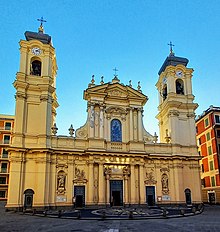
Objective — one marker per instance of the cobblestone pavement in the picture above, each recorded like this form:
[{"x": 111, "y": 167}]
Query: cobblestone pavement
[{"x": 209, "y": 220}]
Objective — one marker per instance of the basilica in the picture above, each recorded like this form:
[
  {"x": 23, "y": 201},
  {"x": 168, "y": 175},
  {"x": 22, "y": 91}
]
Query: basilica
[{"x": 111, "y": 160}]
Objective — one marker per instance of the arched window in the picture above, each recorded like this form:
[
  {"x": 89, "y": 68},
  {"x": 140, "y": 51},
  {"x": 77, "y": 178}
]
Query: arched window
[
  {"x": 164, "y": 92},
  {"x": 36, "y": 68},
  {"x": 116, "y": 132},
  {"x": 179, "y": 87},
  {"x": 188, "y": 196}
]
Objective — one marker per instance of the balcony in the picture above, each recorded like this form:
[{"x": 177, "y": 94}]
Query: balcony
[
  {"x": 5, "y": 141},
  {"x": 6, "y": 128},
  {"x": 4, "y": 170}
]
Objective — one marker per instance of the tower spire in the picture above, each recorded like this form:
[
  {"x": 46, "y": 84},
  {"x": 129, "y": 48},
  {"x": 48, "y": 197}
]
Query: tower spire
[
  {"x": 41, "y": 28},
  {"x": 171, "y": 48}
]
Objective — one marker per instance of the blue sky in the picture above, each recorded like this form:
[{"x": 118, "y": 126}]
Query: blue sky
[{"x": 92, "y": 37}]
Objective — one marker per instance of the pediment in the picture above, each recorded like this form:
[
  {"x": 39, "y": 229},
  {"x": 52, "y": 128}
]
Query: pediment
[{"x": 114, "y": 91}]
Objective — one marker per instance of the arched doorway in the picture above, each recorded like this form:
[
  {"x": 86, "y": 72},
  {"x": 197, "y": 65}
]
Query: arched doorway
[
  {"x": 188, "y": 196},
  {"x": 28, "y": 198}
]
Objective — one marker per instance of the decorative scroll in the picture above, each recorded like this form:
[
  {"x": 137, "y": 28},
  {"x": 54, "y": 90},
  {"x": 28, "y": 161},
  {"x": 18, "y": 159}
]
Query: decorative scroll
[{"x": 150, "y": 179}]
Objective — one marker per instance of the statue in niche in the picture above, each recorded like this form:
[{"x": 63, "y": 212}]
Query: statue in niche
[
  {"x": 165, "y": 184},
  {"x": 61, "y": 182}
]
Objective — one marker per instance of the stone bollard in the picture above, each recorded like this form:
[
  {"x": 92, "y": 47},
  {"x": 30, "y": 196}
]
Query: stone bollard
[
  {"x": 78, "y": 214},
  {"x": 103, "y": 215},
  {"x": 164, "y": 213},
  {"x": 45, "y": 213},
  {"x": 193, "y": 209},
  {"x": 34, "y": 212},
  {"x": 59, "y": 214},
  {"x": 131, "y": 215},
  {"x": 182, "y": 212}
]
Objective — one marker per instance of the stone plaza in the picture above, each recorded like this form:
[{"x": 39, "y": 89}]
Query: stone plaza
[{"x": 208, "y": 220}]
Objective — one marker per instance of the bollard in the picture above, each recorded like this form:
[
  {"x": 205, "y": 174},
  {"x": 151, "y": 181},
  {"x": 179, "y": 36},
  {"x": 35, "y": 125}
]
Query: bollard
[
  {"x": 164, "y": 213},
  {"x": 194, "y": 209},
  {"x": 59, "y": 214},
  {"x": 131, "y": 215},
  {"x": 78, "y": 214},
  {"x": 103, "y": 215},
  {"x": 182, "y": 212},
  {"x": 45, "y": 213},
  {"x": 34, "y": 211}
]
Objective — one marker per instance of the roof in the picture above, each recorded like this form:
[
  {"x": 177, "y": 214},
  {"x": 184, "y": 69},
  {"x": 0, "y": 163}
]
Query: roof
[
  {"x": 209, "y": 110},
  {"x": 44, "y": 38},
  {"x": 174, "y": 61}
]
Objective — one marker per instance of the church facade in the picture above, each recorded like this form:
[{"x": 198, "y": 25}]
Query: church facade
[{"x": 112, "y": 159}]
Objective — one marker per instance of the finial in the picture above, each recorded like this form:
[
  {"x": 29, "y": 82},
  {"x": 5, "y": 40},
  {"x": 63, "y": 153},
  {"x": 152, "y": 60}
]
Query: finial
[
  {"x": 102, "y": 82},
  {"x": 155, "y": 137},
  {"x": 71, "y": 130},
  {"x": 41, "y": 28},
  {"x": 115, "y": 79},
  {"x": 130, "y": 85},
  {"x": 139, "y": 87},
  {"x": 171, "y": 48},
  {"x": 92, "y": 81},
  {"x": 54, "y": 129}
]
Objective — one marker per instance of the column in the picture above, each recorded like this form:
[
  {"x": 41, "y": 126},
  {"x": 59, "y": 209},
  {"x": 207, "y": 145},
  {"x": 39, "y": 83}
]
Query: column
[
  {"x": 135, "y": 121},
  {"x": 140, "y": 125},
  {"x": 101, "y": 123},
  {"x": 90, "y": 184},
  {"x": 91, "y": 121},
  {"x": 132, "y": 185},
  {"x": 107, "y": 199},
  {"x": 126, "y": 189},
  {"x": 131, "y": 125},
  {"x": 101, "y": 185},
  {"x": 141, "y": 184}
]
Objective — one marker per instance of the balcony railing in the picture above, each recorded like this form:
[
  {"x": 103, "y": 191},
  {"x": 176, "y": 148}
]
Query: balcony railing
[
  {"x": 6, "y": 128},
  {"x": 5, "y": 141},
  {"x": 3, "y": 170}
]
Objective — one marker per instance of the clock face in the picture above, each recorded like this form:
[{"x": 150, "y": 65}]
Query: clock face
[
  {"x": 36, "y": 51},
  {"x": 179, "y": 73},
  {"x": 164, "y": 80}
]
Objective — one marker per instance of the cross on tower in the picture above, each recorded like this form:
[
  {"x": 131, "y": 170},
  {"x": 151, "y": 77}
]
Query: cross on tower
[
  {"x": 171, "y": 47},
  {"x": 115, "y": 69},
  {"x": 41, "y": 21}
]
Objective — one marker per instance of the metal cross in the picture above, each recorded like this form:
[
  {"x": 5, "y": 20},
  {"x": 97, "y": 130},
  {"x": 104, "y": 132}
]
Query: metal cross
[
  {"x": 41, "y": 21},
  {"x": 115, "y": 69},
  {"x": 171, "y": 47}
]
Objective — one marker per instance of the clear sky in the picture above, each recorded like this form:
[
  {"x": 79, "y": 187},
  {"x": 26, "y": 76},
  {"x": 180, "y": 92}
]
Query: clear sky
[{"x": 92, "y": 37}]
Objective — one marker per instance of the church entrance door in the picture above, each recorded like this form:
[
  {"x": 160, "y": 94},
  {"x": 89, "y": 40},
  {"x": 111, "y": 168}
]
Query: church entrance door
[
  {"x": 79, "y": 193},
  {"x": 150, "y": 195},
  {"x": 116, "y": 192}
]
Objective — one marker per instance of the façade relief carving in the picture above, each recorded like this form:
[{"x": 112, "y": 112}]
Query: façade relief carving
[{"x": 80, "y": 176}]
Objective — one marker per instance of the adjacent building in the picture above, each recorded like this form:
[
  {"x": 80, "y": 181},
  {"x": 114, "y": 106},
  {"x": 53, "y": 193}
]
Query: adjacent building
[
  {"x": 208, "y": 140},
  {"x": 6, "y": 128},
  {"x": 111, "y": 159}
]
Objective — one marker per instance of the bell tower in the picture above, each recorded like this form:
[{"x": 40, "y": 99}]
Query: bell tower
[
  {"x": 176, "y": 107},
  {"x": 35, "y": 84}
]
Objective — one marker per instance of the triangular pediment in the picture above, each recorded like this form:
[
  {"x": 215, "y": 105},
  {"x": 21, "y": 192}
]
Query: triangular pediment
[{"x": 114, "y": 91}]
